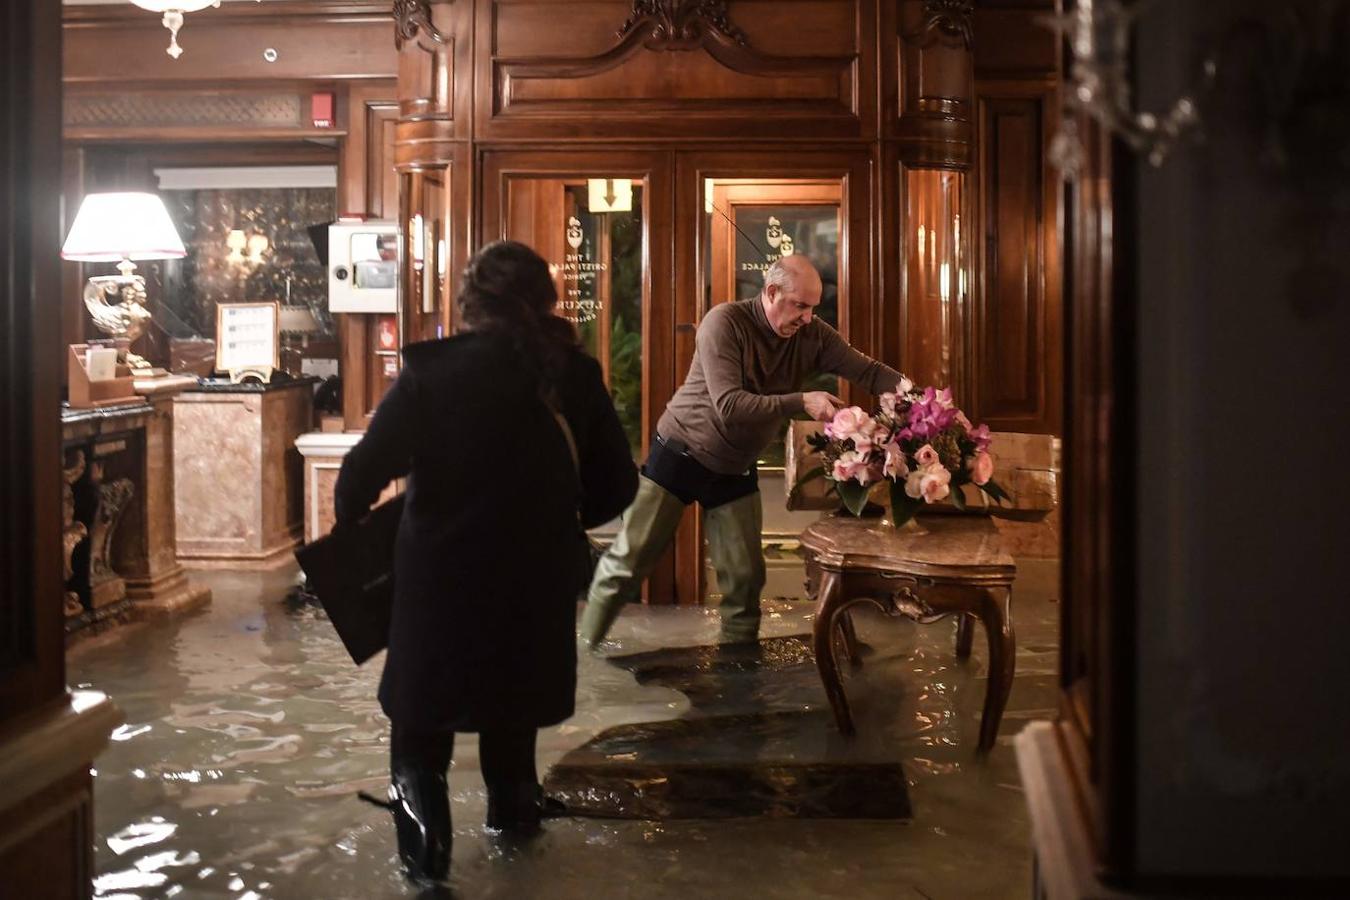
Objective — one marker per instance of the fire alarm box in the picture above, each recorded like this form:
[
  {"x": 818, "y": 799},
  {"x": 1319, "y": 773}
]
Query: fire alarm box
[{"x": 363, "y": 267}]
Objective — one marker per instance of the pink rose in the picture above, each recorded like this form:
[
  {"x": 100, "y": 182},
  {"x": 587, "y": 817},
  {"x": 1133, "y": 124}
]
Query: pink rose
[
  {"x": 864, "y": 439},
  {"x": 982, "y": 469},
  {"x": 914, "y": 484},
  {"x": 846, "y": 423},
  {"x": 935, "y": 483},
  {"x": 926, "y": 455}
]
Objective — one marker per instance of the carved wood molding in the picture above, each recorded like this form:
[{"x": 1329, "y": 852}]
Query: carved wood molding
[
  {"x": 412, "y": 17},
  {"x": 680, "y": 24},
  {"x": 674, "y": 25},
  {"x": 947, "y": 20}
]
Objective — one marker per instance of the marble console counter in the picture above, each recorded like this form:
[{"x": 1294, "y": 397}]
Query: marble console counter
[
  {"x": 237, "y": 473},
  {"x": 119, "y": 549}
]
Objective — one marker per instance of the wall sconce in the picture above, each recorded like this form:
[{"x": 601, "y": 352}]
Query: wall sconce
[
  {"x": 257, "y": 246},
  {"x": 609, "y": 194},
  {"x": 1098, "y": 84},
  {"x": 245, "y": 249},
  {"x": 236, "y": 241}
]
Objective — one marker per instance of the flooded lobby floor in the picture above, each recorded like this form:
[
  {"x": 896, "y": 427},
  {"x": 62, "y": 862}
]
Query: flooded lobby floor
[{"x": 248, "y": 732}]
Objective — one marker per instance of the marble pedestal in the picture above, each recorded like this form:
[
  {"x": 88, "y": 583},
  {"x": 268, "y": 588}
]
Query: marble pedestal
[
  {"x": 323, "y": 453},
  {"x": 237, "y": 473}
]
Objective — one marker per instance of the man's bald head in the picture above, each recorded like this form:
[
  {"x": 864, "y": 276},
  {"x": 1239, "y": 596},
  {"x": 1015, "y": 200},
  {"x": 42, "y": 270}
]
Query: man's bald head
[
  {"x": 792, "y": 288},
  {"x": 793, "y": 271}
]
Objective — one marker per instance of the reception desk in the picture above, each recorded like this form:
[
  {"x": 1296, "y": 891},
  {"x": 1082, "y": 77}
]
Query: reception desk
[{"x": 237, "y": 473}]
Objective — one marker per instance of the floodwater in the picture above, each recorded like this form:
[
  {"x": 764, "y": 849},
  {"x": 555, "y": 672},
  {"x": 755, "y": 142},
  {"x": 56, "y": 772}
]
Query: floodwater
[{"x": 248, "y": 733}]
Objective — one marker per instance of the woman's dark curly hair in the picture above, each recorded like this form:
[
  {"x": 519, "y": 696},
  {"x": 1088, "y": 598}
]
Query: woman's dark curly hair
[{"x": 508, "y": 289}]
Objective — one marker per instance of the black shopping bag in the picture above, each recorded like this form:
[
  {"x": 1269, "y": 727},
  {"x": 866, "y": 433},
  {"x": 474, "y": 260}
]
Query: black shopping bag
[{"x": 352, "y": 573}]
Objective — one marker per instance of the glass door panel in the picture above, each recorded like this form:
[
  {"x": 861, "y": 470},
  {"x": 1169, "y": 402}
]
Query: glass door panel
[
  {"x": 750, "y": 223},
  {"x": 590, "y": 230}
]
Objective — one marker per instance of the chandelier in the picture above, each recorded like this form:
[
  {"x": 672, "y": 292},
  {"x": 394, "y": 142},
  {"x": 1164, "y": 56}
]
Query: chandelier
[{"x": 173, "y": 16}]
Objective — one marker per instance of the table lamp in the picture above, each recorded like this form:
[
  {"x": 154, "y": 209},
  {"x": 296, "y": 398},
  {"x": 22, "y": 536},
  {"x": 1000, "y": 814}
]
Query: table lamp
[{"x": 120, "y": 227}]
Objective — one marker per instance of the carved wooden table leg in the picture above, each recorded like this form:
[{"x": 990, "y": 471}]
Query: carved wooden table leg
[
  {"x": 827, "y": 607},
  {"x": 849, "y": 640},
  {"x": 995, "y": 614},
  {"x": 965, "y": 632}
]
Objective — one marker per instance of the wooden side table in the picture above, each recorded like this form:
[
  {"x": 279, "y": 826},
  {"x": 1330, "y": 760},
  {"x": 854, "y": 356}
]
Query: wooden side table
[{"x": 926, "y": 571}]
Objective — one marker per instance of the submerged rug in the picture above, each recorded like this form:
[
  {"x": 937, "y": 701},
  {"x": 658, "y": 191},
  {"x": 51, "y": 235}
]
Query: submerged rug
[{"x": 758, "y": 741}]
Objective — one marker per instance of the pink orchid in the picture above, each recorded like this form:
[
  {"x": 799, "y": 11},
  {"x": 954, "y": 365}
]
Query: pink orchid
[
  {"x": 981, "y": 437},
  {"x": 895, "y": 466},
  {"x": 851, "y": 464}
]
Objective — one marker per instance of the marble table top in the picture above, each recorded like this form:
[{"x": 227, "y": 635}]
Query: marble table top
[{"x": 951, "y": 547}]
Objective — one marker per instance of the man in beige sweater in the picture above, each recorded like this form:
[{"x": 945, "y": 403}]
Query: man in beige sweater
[{"x": 750, "y": 360}]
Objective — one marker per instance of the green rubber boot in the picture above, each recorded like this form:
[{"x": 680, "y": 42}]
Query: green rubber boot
[
  {"x": 734, "y": 531},
  {"x": 648, "y": 526}
]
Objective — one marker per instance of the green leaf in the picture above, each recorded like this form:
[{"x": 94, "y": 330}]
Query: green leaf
[
  {"x": 817, "y": 472},
  {"x": 853, "y": 494},
  {"x": 958, "y": 497},
  {"x": 992, "y": 488},
  {"x": 903, "y": 506}
]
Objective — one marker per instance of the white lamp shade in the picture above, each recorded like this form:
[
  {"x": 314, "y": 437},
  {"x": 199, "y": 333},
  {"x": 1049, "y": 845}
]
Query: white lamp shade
[
  {"x": 186, "y": 6},
  {"x": 116, "y": 226}
]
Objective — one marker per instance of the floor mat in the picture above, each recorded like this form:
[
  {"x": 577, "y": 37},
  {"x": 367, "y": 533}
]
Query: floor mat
[{"x": 758, "y": 741}]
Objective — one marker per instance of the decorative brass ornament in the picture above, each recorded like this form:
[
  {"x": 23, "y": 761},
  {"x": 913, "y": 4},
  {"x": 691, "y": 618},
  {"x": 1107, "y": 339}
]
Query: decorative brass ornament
[
  {"x": 680, "y": 24},
  {"x": 410, "y": 17}
]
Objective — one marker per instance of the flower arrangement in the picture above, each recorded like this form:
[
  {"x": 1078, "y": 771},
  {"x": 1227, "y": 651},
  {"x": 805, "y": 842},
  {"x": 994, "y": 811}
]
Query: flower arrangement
[{"x": 918, "y": 441}]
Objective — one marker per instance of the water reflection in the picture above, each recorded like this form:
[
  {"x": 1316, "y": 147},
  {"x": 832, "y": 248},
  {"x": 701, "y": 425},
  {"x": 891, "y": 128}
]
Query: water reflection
[{"x": 249, "y": 733}]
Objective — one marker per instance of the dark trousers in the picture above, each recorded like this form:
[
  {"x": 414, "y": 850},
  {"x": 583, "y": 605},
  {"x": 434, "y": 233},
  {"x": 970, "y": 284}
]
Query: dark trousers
[
  {"x": 670, "y": 465},
  {"x": 505, "y": 756}
]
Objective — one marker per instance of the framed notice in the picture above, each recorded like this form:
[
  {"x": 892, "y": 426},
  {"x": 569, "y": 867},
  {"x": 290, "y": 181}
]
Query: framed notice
[{"x": 246, "y": 339}]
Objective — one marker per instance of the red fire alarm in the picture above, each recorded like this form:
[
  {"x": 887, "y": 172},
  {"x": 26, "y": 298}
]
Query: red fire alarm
[{"x": 321, "y": 109}]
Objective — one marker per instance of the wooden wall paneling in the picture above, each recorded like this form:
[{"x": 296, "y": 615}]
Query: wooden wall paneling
[
  {"x": 1012, "y": 40},
  {"x": 924, "y": 335},
  {"x": 48, "y": 738},
  {"x": 1015, "y": 328},
  {"x": 1094, "y": 720},
  {"x": 719, "y": 71},
  {"x": 926, "y": 81},
  {"x": 435, "y": 83},
  {"x": 499, "y": 168},
  {"x": 890, "y": 275},
  {"x": 367, "y": 180},
  {"x": 32, "y": 663},
  {"x": 367, "y": 185},
  {"x": 312, "y": 40},
  {"x": 197, "y": 113}
]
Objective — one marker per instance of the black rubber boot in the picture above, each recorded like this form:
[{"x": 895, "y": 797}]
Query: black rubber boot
[
  {"x": 420, "y": 802},
  {"x": 520, "y": 808}
]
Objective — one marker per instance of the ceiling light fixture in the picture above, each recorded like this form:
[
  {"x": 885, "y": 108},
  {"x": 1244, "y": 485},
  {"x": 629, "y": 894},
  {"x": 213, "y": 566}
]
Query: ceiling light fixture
[{"x": 173, "y": 16}]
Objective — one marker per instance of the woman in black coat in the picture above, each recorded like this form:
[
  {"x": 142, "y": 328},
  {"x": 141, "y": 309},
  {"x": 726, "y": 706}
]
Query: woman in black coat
[{"x": 490, "y": 554}]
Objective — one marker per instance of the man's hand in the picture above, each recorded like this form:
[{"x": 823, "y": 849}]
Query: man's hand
[{"x": 821, "y": 405}]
